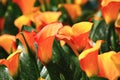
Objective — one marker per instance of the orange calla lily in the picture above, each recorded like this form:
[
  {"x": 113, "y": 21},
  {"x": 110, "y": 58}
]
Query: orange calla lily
[
  {"x": 39, "y": 18},
  {"x": 8, "y": 42},
  {"x": 29, "y": 37},
  {"x": 12, "y": 62},
  {"x": 89, "y": 60},
  {"x": 102, "y": 65},
  {"x": 42, "y": 18},
  {"x": 73, "y": 10},
  {"x": 26, "y": 6},
  {"x": 110, "y": 7},
  {"x": 76, "y": 36},
  {"x": 45, "y": 39}
]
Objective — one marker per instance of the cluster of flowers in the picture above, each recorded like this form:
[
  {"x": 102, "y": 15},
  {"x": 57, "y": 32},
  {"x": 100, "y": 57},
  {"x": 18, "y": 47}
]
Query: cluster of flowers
[{"x": 38, "y": 27}]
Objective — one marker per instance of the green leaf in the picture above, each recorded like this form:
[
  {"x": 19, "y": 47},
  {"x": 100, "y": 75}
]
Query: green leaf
[
  {"x": 73, "y": 62},
  {"x": 113, "y": 37},
  {"x": 4, "y": 73},
  {"x": 99, "y": 31},
  {"x": 64, "y": 64},
  {"x": 28, "y": 64},
  {"x": 2, "y": 10},
  {"x": 12, "y": 12},
  {"x": 27, "y": 28}
]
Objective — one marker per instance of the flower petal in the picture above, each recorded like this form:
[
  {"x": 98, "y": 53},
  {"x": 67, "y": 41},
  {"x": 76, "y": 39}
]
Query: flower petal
[
  {"x": 12, "y": 62},
  {"x": 109, "y": 10},
  {"x": 30, "y": 38},
  {"x": 65, "y": 33},
  {"x": 116, "y": 60},
  {"x": 8, "y": 42},
  {"x": 47, "y": 31},
  {"x": 45, "y": 39},
  {"x": 26, "y": 6},
  {"x": 81, "y": 27},
  {"x": 89, "y": 60},
  {"x": 22, "y": 20},
  {"x": 107, "y": 68},
  {"x": 73, "y": 10}
]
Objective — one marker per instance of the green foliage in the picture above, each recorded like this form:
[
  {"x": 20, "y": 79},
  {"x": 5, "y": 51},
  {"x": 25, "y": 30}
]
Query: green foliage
[
  {"x": 102, "y": 31},
  {"x": 12, "y": 11},
  {"x": 64, "y": 64},
  {"x": 28, "y": 64},
  {"x": 5, "y": 75}
]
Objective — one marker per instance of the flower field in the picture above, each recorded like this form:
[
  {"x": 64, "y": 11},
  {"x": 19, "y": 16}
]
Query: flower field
[{"x": 59, "y": 39}]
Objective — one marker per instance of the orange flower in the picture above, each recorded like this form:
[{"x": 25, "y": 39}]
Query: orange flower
[
  {"x": 110, "y": 9},
  {"x": 73, "y": 10},
  {"x": 80, "y": 2},
  {"x": 22, "y": 20},
  {"x": 39, "y": 18},
  {"x": 26, "y": 6},
  {"x": 12, "y": 62},
  {"x": 103, "y": 65},
  {"x": 116, "y": 59},
  {"x": 29, "y": 37},
  {"x": 43, "y": 18},
  {"x": 45, "y": 39},
  {"x": 8, "y": 42},
  {"x": 89, "y": 60},
  {"x": 76, "y": 36},
  {"x": 107, "y": 66}
]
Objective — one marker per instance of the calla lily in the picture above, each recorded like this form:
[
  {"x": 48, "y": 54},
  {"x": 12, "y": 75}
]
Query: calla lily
[
  {"x": 76, "y": 36},
  {"x": 89, "y": 60},
  {"x": 8, "y": 42},
  {"x": 12, "y": 62},
  {"x": 116, "y": 59},
  {"x": 45, "y": 39},
  {"x": 39, "y": 18},
  {"x": 110, "y": 7},
  {"x": 107, "y": 66},
  {"x": 73, "y": 10},
  {"x": 102, "y": 65},
  {"x": 22, "y": 20},
  {"x": 29, "y": 37},
  {"x": 26, "y": 6}
]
